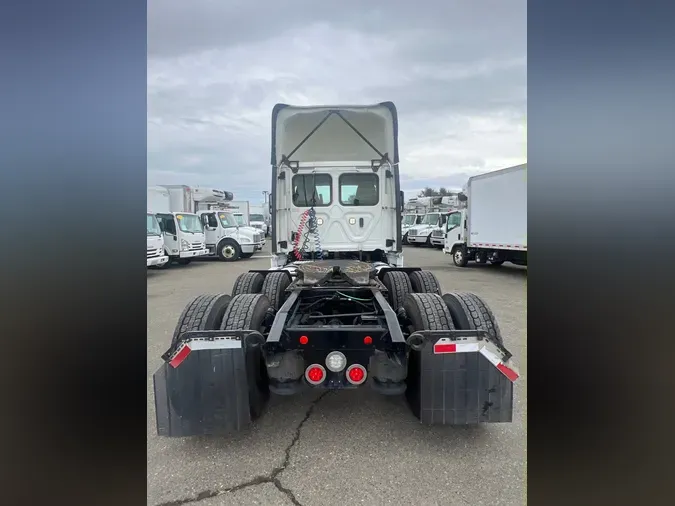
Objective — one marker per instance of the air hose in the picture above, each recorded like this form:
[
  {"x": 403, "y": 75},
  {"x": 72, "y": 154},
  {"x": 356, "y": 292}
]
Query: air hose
[{"x": 307, "y": 218}]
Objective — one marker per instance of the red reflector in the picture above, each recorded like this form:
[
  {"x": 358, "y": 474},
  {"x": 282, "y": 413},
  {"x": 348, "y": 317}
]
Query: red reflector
[
  {"x": 315, "y": 374},
  {"x": 367, "y": 340},
  {"x": 356, "y": 374},
  {"x": 304, "y": 339},
  {"x": 509, "y": 373},
  {"x": 445, "y": 348},
  {"x": 180, "y": 356}
]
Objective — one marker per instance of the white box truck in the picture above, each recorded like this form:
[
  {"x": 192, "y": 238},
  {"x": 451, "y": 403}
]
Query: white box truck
[
  {"x": 493, "y": 226},
  {"x": 156, "y": 256},
  {"x": 259, "y": 218},
  {"x": 240, "y": 211},
  {"x": 182, "y": 229}
]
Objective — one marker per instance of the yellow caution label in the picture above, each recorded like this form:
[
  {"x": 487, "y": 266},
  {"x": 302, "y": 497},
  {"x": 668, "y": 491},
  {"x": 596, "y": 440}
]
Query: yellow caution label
[{"x": 179, "y": 216}]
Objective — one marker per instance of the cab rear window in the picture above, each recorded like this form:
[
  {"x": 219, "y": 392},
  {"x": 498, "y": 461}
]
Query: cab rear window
[{"x": 359, "y": 189}]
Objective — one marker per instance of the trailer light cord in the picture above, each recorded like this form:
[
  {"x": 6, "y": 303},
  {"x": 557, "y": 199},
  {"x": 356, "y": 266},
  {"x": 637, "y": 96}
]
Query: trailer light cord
[{"x": 353, "y": 298}]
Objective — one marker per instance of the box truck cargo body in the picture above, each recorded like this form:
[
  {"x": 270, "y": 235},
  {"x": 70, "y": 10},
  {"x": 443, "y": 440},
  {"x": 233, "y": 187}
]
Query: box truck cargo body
[{"x": 493, "y": 226}]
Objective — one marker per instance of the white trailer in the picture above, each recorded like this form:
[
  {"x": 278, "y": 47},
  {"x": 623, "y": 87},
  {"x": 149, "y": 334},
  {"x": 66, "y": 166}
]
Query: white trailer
[{"x": 493, "y": 226}]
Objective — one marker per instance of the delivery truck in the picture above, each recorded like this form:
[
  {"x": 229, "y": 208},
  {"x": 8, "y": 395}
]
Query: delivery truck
[
  {"x": 259, "y": 218},
  {"x": 493, "y": 225},
  {"x": 182, "y": 230}
]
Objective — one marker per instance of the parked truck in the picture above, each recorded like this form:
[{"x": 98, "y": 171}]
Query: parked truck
[
  {"x": 156, "y": 256},
  {"x": 431, "y": 229},
  {"x": 337, "y": 309},
  {"x": 493, "y": 225},
  {"x": 183, "y": 233},
  {"x": 259, "y": 217},
  {"x": 226, "y": 239},
  {"x": 240, "y": 210}
]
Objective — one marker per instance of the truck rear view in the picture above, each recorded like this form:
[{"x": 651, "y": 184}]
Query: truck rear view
[{"x": 341, "y": 313}]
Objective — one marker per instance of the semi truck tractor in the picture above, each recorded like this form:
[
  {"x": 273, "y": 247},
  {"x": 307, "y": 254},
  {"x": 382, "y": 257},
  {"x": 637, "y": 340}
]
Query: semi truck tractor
[
  {"x": 182, "y": 230},
  {"x": 492, "y": 227},
  {"x": 337, "y": 309}
]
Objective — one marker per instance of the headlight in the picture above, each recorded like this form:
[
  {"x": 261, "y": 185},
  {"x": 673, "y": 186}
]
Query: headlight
[
  {"x": 244, "y": 239},
  {"x": 184, "y": 245}
]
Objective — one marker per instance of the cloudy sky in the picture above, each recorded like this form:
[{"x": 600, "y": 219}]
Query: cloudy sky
[{"x": 456, "y": 70}]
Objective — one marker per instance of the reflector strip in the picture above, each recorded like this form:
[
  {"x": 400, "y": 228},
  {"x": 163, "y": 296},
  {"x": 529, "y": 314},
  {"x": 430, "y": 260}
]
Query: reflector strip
[
  {"x": 180, "y": 356},
  {"x": 445, "y": 345},
  {"x": 444, "y": 348},
  {"x": 508, "y": 372},
  {"x": 219, "y": 343}
]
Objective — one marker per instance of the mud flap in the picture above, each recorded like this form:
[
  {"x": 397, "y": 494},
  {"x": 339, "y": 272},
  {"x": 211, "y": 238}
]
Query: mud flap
[
  {"x": 202, "y": 388},
  {"x": 460, "y": 377}
]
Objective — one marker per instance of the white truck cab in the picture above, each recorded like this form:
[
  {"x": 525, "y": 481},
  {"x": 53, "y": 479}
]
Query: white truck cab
[
  {"x": 335, "y": 185},
  {"x": 430, "y": 231},
  {"x": 226, "y": 239},
  {"x": 407, "y": 222},
  {"x": 182, "y": 230},
  {"x": 156, "y": 255}
]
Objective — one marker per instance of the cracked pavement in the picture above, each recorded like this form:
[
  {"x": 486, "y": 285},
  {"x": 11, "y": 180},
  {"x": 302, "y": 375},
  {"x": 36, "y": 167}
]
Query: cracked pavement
[{"x": 339, "y": 447}]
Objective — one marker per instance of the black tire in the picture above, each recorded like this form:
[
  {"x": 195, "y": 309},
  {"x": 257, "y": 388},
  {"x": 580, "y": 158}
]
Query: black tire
[
  {"x": 398, "y": 287},
  {"x": 246, "y": 255},
  {"x": 248, "y": 282},
  {"x": 204, "y": 312},
  {"x": 424, "y": 282},
  {"x": 470, "y": 312},
  {"x": 427, "y": 243},
  {"x": 404, "y": 240},
  {"x": 184, "y": 261},
  {"x": 459, "y": 256},
  {"x": 228, "y": 250},
  {"x": 249, "y": 312},
  {"x": 426, "y": 311},
  {"x": 497, "y": 262},
  {"x": 274, "y": 288}
]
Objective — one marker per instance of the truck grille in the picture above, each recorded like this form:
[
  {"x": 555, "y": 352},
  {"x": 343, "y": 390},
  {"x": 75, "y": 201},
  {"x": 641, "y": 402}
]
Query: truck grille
[
  {"x": 257, "y": 237},
  {"x": 196, "y": 246},
  {"x": 152, "y": 252},
  {"x": 437, "y": 233},
  {"x": 412, "y": 231},
  {"x": 258, "y": 226}
]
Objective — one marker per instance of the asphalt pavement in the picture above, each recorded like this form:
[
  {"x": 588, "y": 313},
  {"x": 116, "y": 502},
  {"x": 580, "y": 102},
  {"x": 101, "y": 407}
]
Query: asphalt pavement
[{"x": 342, "y": 447}]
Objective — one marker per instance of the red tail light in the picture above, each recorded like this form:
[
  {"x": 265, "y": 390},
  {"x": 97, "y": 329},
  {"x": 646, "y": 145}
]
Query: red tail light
[
  {"x": 304, "y": 339},
  {"x": 356, "y": 374},
  {"x": 315, "y": 374}
]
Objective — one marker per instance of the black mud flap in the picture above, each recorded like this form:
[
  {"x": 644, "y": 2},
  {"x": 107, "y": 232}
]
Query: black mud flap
[
  {"x": 202, "y": 388},
  {"x": 460, "y": 377}
]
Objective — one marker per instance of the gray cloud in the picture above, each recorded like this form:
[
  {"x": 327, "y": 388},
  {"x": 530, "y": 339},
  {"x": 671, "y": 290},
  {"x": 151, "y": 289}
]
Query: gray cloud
[{"x": 456, "y": 71}]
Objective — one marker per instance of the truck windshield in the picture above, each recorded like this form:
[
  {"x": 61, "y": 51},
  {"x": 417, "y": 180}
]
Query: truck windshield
[
  {"x": 409, "y": 219},
  {"x": 227, "y": 220},
  {"x": 256, "y": 217},
  {"x": 189, "y": 223},
  {"x": 454, "y": 220},
  {"x": 431, "y": 219},
  {"x": 152, "y": 225}
]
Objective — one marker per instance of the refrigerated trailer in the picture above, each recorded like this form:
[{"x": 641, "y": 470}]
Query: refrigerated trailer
[
  {"x": 493, "y": 225},
  {"x": 337, "y": 309}
]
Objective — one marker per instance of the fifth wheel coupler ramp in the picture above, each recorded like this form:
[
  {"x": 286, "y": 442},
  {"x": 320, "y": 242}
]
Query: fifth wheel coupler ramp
[
  {"x": 460, "y": 377},
  {"x": 203, "y": 386}
]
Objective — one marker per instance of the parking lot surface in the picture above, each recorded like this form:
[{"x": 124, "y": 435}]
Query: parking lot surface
[{"x": 347, "y": 447}]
